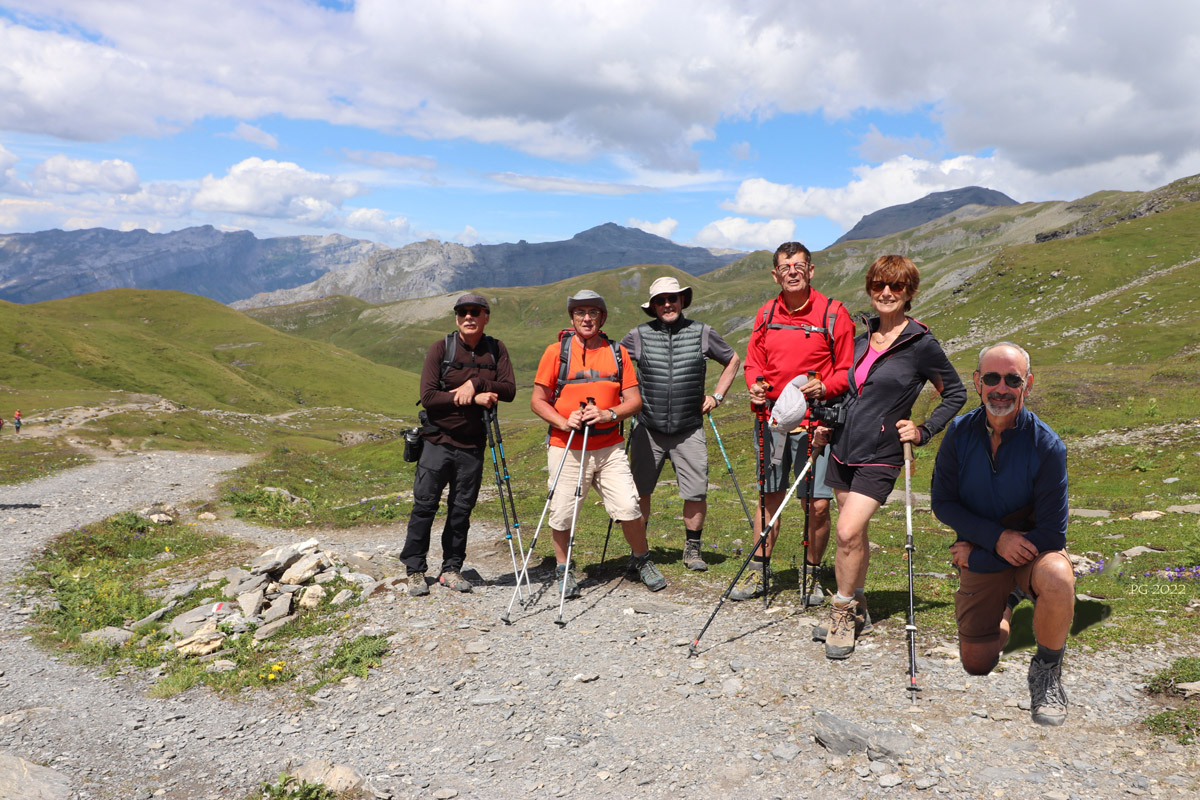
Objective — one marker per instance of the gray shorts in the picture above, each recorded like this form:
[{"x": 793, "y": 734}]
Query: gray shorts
[
  {"x": 688, "y": 453},
  {"x": 792, "y": 459}
]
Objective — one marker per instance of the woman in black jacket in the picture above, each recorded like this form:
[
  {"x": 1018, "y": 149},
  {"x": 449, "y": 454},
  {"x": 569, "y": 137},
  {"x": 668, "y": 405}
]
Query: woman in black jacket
[{"x": 893, "y": 359}]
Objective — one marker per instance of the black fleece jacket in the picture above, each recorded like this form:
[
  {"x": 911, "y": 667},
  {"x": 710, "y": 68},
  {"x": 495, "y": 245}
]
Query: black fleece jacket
[{"x": 887, "y": 395}]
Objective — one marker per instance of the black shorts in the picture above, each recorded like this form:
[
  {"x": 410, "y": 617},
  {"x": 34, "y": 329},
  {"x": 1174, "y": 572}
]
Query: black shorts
[{"x": 874, "y": 480}]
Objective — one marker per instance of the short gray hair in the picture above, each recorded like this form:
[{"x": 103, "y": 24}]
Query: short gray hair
[{"x": 1017, "y": 347}]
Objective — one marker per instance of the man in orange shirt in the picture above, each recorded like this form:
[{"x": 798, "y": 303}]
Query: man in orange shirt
[{"x": 583, "y": 365}]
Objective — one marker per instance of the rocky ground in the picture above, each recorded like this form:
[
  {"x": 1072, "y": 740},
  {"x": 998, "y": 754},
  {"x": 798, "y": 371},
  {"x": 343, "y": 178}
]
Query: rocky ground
[{"x": 610, "y": 704}]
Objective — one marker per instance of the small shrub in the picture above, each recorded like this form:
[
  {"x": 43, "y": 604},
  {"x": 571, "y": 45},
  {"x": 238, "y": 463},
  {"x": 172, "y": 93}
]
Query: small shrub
[
  {"x": 289, "y": 788},
  {"x": 354, "y": 657}
]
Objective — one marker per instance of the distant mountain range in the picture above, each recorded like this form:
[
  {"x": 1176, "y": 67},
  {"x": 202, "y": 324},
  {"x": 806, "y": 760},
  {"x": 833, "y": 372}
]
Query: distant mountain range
[
  {"x": 204, "y": 261},
  {"x": 894, "y": 219},
  {"x": 238, "y": 266}
]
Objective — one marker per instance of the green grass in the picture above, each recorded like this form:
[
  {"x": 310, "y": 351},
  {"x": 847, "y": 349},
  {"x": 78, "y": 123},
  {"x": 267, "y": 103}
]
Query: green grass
[
  {"x": 101, "y": 575},
  {"x": 1182, "y": 724},
  {"x": 291, "y": 788},
  {"x": 354, "y": 657},
  {"x": 24, "y": 458}
]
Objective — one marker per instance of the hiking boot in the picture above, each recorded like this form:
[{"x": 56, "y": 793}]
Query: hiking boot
[
  {"x": 1047, "y": 698},
  {"x": 417, "y": 586},
  {"x": 649, "y": 573},
  {"x": 812, "y": 576},
  {"x": 820, "y": 632},
  {"x": 692, "y": 557},
  {"x": 752, "y": 584},
  {"x": 453, "y": 579},
  {"x": 572, "y": 589},
  {"x": 843, "y": 629}
]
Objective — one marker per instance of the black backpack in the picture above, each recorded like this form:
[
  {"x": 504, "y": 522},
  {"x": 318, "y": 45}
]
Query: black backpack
[
  {"x": 565, "y": 338},
  {"x": 448, "y": 361}
]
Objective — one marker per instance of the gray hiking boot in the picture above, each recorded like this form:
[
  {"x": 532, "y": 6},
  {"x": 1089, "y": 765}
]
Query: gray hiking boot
[
  {"x": 812, "y": 576},
  {"x": 692, "y": 555},
  {"x": 1047, "y": 698},
  {"x": 843, "y": 629},
  {"x": 417, "y": 587},
  {"x": 752, "y": 584},
  {"x": 648, "y": 573},
  {"x": 453, "y": 579},
  {"x": 562, "y": 573},
  {"x": 820, "y": 632}
]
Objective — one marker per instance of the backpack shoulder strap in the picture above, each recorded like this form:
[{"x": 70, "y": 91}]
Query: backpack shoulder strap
[{"x": 448, "y": 354}]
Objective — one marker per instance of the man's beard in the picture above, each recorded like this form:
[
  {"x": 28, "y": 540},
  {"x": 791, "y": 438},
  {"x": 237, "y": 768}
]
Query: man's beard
[{"x": 1000, "y": 405}]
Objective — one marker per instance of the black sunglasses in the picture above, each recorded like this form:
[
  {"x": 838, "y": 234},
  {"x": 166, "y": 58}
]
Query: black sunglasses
[
  {"x": 1011, "y": 380},
  {"x": 899, "y": 287},
  {"x": 470, "y": 311},
  {"x": 663, "y": 299}
]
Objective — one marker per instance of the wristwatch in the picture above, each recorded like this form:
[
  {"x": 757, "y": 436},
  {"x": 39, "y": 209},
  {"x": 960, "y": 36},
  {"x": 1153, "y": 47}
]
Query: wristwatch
[
  {"x": 613, "y": 411},
  {"x": 718, "y": 397}
]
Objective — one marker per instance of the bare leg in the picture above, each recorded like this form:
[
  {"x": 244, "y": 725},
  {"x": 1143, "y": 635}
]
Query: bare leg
[
  {"x": 693, "y": 514},
  {"x": 853, "y": 550}
]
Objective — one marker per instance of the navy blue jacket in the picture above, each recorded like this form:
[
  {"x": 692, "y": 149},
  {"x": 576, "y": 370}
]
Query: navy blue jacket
[
  {"x": 887, "y": 395},
  {"x": 973, "y": 490}
]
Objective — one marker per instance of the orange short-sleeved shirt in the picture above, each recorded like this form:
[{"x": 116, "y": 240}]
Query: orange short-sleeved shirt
[{"x": 597, "y": 364}]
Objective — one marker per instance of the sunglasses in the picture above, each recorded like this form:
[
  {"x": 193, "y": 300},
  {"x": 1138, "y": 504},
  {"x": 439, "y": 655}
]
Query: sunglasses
[
  {"x": 663, "y": 299},
  {"x": 899, "y": 287},
  {"x": 470, "y": 311},
  {"x": 1011, "y": 380}
]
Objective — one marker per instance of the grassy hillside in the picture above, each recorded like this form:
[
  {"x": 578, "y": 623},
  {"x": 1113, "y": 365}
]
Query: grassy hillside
[{"x": 191, "y": 350}]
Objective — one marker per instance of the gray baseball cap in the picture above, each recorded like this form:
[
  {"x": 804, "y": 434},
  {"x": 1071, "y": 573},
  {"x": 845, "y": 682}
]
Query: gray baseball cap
[
  {"x": 586, "y": 297},
  {"x": 473, "y": 300}
]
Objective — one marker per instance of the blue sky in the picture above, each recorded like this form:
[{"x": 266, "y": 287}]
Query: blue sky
[{"x": 721, "y": 124}]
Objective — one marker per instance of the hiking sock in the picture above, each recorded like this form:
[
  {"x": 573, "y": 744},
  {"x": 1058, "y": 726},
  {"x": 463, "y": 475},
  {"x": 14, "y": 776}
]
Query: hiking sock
[
  {"x": 692, "y": 535},
  {"x": 840, "y": 600},
  {"x": 762, "y": 562},
  {"x": 1048, "y": 657}
]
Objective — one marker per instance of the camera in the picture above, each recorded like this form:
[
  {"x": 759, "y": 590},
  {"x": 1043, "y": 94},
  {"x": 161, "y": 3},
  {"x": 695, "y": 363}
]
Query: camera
[{"x": 833, "y": 416}]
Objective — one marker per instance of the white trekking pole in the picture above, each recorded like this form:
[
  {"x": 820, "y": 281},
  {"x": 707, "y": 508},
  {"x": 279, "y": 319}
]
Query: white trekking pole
[
  {"x": 562, "y": 599},
  {"x": 911, "y": 626},
  {"x": 525, "y": 561}
]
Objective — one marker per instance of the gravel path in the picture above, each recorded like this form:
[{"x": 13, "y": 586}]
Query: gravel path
[{"x": 607, "y": 706}]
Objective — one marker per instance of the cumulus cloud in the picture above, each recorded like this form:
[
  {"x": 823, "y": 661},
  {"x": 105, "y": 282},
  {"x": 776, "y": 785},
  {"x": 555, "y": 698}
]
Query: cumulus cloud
[
  {"x": 377, "y": 221},
  {"x": 468, "y": 236},
  {"x": 1050, "y": 86},
  {"x": 279, "y": 189},
  {"x": 60, "y": 174},
  {"x": 541, "y": 183},
  {"x": 254, "y": 135},
  {"x": 9, "y": 183},
  {"x": 740, "y": 233},
  {"x": 664, "y": 227}
]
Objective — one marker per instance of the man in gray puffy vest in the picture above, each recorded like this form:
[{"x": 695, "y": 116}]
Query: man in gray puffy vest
[{"x": 671, "y": 353}]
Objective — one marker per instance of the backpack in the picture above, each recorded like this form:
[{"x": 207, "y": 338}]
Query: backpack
[
  {"x": 448, "y": 361},
  {"x": 831, "y": 312},
  {"x": 565, "y": 338}
]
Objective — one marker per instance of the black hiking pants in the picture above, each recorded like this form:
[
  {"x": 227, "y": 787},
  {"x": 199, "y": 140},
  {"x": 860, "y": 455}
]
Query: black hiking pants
[{"x": 439, "y": 465}]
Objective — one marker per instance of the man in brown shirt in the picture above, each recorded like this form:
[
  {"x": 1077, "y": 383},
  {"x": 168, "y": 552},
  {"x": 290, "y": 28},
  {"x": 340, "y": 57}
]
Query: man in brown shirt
[{"x": 464, "y": 374}]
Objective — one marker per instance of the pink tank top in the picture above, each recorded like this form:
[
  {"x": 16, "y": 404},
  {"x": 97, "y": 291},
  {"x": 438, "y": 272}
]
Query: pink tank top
[{"x": 860, "y": 372}]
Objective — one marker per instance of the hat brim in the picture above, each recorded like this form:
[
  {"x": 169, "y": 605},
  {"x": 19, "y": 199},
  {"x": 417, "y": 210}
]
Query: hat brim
[{"x": 686, "y": 292}]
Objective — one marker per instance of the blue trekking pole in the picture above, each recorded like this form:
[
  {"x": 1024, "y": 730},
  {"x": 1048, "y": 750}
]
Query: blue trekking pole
[{"x": 720, "y": 444}]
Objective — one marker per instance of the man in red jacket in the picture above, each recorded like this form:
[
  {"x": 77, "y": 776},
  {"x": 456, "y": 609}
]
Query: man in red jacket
[{"x": 799, "y": 331}]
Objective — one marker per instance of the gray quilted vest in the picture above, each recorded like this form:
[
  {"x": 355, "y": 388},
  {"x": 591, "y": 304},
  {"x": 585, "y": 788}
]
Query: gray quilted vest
[{"x": 671, "y": 374}]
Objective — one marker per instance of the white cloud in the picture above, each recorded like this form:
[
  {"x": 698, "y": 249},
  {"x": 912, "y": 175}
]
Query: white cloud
[
  {"x": 59, "y": 174},
  {"x": 377, "y": 221},
  {"x": 743, "y": 234},
  {"x": 468, "y": 236},
  {"x": 384, "y": 160},
  {"x": 278, "y": 189},
  {"x": 1050, "y": 86},
  {"x": 664, "y": 227},
  {"x": 9, "y": 182},
  {"x": 540, "y": 183},
  {"x": 254, "y": 135}
]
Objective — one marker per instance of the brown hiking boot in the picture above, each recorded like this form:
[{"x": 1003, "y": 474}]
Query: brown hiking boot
[
  {"x": 692, "y": 555},
  {"x": 819, "y": 632},
  {"x": 844, "y": 622},
  {"x": 417, "y": 587},
  {"x": 453, "y": 579}
]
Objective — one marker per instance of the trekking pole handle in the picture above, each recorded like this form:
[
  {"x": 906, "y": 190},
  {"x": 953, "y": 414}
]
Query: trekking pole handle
[{"x": 766, "y": 387}]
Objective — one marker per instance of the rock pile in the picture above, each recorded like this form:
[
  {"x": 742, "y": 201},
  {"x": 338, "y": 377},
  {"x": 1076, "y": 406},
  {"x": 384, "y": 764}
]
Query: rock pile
[{"x": 259, "y": 598}]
